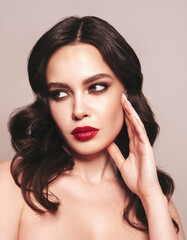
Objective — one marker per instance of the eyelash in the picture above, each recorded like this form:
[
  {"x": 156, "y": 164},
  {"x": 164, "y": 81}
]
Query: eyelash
[
  {"x": 104, "y": 85},
  {"x": 55, "y": 94}
]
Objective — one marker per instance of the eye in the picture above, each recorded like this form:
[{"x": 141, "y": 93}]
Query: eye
[
  {"x": 58, "y": 94},
  {"x": 98, "y": 87}
]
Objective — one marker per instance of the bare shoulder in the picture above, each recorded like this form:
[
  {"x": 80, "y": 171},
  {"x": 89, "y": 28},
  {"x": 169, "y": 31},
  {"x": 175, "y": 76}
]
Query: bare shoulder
[
  {"x": 175, "y": 216},
  {"x": 6, "y": 179},
  {"x": 11, "y": 203},
  {"x": 4, "y": 168},
  {"x": 9, "y": 190}
]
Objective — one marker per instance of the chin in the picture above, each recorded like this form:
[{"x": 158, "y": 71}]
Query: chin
[{"x": 89, "y": 150}]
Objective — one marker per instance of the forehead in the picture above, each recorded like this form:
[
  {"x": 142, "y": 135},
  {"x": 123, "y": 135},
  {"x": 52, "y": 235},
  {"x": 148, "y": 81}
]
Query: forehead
[{"x": 79, "y": 61}]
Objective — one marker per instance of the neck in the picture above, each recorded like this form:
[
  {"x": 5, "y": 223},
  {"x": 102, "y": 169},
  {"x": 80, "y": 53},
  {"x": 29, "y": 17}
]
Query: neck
[{"x": 94, "y": 168}]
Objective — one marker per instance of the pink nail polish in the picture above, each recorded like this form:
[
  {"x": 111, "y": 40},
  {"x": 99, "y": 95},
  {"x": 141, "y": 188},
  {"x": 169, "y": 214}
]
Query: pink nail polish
[{"x": 125, "y": 98}]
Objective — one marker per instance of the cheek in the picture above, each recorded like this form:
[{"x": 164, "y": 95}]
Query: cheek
[
  {"x": 59, "y": 115},
  {"x": 114, "y": 116}
]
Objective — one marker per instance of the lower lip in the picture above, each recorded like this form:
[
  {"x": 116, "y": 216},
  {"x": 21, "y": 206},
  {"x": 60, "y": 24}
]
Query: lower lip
[{"x": 83, "y": 136}]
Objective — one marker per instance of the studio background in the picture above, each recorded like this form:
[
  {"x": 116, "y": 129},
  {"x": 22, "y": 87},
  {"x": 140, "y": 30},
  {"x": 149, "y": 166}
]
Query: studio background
[{"x": 157, "y": 31}]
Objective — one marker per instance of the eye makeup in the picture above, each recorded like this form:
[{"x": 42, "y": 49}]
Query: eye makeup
[
  {"x": 61, "y": 94},
  {"x": 98, "y": 88},
  {"x": 58, "y": 94}
]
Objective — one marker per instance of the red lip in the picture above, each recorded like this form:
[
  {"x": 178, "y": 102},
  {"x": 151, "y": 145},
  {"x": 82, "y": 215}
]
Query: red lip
[{"x": 84, "y": 133}]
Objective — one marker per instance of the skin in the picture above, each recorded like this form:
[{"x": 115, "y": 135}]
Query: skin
[
  {"x": 82, "y": 104},
  {"x": 92, "y": 200}
]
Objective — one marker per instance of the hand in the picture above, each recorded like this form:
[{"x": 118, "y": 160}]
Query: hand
[{"x": 139, "y": 169}]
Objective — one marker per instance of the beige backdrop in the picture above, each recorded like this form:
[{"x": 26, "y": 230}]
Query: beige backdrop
[{"x": 157, "y": 30}]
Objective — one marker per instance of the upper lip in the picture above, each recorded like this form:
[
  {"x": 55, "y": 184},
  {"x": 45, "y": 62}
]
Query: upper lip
[{"x": 83, "y": 129}]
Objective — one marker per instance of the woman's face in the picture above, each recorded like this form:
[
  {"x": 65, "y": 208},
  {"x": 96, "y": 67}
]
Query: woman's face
[{"x": 84, "y": 98}]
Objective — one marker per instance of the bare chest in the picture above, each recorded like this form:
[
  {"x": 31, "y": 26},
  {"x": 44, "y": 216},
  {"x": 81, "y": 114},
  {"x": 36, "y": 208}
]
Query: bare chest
[{"x": 82, "y": 215}]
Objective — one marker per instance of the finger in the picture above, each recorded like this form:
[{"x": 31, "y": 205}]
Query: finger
[
  {"x": 128, "y": 108},
  {"x": 116, "y": 154},
  {"x": 138, "y": 129},
  {"x": 129, "y": 128},
  {"x": 133, "y": 121}
]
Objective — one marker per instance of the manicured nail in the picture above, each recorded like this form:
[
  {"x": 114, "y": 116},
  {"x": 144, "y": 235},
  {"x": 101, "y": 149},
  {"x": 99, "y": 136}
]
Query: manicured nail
[{"x": 125, "y": 98}]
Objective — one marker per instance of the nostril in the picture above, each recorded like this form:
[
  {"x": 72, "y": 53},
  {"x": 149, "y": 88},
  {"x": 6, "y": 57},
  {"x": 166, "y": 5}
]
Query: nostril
[
  {"x": 79, "y": 117},
  {"x": 76, "y": 119}
]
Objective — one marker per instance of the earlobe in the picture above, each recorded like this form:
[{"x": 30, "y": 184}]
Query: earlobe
[{"x": 125, "y": 91}]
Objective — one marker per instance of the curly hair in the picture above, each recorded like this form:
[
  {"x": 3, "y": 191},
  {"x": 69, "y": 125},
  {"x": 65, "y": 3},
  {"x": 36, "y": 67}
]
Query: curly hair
[{"x": 40, "y": 157}]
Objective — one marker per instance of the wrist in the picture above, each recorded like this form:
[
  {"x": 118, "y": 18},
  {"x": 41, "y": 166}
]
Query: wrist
[
  {"x": 159, "y": 218},
  {"x": 154, "y": 200}
]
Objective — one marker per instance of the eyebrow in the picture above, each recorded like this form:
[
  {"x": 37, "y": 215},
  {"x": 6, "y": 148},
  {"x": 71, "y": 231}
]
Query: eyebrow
[{"x": 85, "y": 82}]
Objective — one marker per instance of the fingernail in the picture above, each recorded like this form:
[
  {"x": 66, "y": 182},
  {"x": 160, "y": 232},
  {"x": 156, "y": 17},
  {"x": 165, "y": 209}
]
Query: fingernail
[{"x": 125, "y": 98}]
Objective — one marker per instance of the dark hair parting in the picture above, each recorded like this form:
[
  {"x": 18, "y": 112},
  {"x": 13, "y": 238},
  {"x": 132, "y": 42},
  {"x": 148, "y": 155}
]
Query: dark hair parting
[{"x": 40, "y": 156}]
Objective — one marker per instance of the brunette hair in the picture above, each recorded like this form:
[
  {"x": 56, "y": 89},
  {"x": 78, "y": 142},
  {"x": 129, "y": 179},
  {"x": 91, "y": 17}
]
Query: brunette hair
[{"x": 40, "y": 157}]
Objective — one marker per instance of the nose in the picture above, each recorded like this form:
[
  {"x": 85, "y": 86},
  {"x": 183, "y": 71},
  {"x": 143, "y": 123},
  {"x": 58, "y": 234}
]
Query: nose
[{"x": 80, "y": 108}]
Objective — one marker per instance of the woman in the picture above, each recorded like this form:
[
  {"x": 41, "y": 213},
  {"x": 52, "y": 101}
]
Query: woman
[{"x": 84, "y": 166}]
